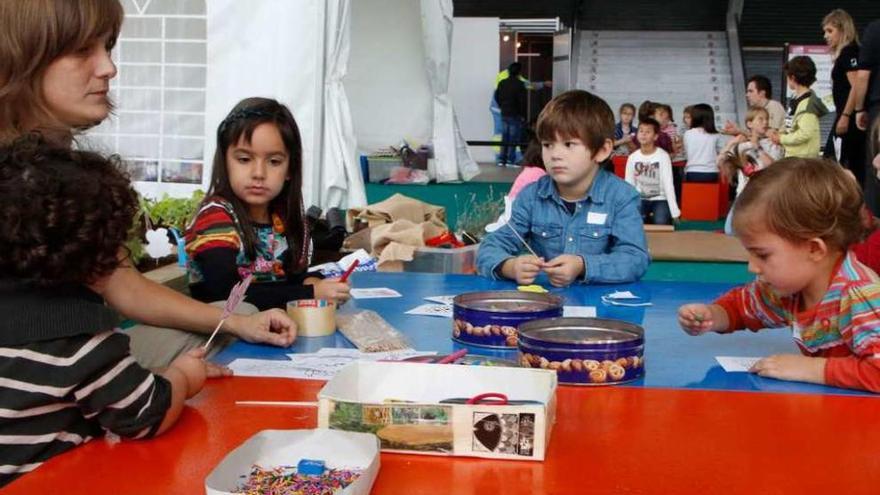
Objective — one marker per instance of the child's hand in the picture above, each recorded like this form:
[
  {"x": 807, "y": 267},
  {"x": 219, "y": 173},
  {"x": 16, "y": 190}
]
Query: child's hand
[
  {"x": 730, "y": 128},
  {"x": 564, "y": 269},
  {"x": 267, "y": 327},
  {"x": 695, "y": 319},
  {"x": 526, "y": 268},
  {"x": 332, "y": 289},
  {"x": 791, "y": 367},
  {"x": 773, "y": 135},
  {"x": 192, "y": 365}
]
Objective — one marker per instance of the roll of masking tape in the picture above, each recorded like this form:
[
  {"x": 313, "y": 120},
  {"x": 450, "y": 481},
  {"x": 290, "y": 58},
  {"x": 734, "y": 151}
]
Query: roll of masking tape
[{"x": 313, "y": 317}]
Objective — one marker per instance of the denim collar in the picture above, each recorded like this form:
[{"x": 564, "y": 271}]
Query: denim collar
[{"x": 596, "y": 193}]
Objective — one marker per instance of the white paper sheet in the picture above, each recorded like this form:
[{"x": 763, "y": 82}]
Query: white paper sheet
[
  {"x": 374, "y": 293},
  {"x": 579, "y": 311},
  {"x": 441, "y": 299},
  {"x": 441, "y": 310},
  {"x": 321, "y": 365},
  {"x": 733, "y": 364},
  {"x": 625, "y": 294}
]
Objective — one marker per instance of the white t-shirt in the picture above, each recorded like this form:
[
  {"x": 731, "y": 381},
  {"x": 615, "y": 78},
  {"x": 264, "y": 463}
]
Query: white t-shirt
[
  {"x": 652, "y": 177},
  {"x": 702, "y": 149}
]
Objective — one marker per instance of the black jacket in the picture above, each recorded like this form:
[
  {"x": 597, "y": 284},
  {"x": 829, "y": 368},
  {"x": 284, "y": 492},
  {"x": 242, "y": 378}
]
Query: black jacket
[{"x": 511, "y": 97}]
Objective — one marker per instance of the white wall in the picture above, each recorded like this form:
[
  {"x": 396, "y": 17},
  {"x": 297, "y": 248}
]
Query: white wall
[
  {"x": 475, "y": 59},
  {"x": 386, "y": 84}
]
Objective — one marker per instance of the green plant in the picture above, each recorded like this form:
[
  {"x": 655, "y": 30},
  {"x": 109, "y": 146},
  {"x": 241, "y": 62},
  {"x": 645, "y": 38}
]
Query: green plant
[
  {"x": 166, "y": 212},
  {"x": 475, "y": 213},
  {"x": 174, "y": 212}
]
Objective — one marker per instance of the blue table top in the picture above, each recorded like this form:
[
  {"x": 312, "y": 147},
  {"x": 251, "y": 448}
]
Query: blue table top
[{"x": 673, "y": 358}]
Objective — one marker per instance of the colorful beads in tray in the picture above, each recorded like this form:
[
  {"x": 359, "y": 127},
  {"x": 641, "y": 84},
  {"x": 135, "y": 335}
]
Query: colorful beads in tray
[{"x": 286, "y": 481}]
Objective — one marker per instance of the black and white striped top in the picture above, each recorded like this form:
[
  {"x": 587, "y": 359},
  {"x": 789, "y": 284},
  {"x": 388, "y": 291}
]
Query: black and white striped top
[{"x": 59, "y": 393}]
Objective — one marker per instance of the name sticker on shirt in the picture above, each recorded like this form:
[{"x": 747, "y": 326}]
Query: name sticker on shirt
[{"x": 596, "y": 218}]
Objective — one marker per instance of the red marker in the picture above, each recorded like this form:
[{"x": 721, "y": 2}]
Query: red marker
[{"x": 350, "y": 269}]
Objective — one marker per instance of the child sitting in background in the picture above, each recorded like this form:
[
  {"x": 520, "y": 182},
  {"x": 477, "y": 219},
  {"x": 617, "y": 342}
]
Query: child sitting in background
[
  {"x": 532, "y": 169},
  {"x": 663, "y": 115},
  {"x": 801, "y": 134},
  {"x": 646, "y": 111},
  {"x": 746, "y": 154},
  {"x": 798, "y": 220},
  {"x": 686, "y": 117},
  {"x": 68, "y": 375},
  {"x": 625, "y": 130},
  {"x": 701, "y": 145},
  {"x": 649, "y": 169},
  {"x": 582, "y": 222},
  {"x": 252, "y": 219}
]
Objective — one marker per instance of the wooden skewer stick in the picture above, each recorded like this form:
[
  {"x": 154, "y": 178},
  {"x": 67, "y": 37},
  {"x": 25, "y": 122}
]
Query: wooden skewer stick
[
  {"x": 523, "y": 241},
  {"x": 275, "y": 403}
]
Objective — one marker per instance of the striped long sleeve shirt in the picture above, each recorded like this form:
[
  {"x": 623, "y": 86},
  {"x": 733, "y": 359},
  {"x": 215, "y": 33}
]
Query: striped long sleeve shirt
[
  {"x": 844, "y": 327},
  {"x": 58, "y": 393}
]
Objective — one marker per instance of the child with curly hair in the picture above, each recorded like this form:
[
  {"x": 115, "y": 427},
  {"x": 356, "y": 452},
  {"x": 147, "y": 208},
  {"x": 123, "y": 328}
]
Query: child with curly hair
[{"x": 67, "y": 373}]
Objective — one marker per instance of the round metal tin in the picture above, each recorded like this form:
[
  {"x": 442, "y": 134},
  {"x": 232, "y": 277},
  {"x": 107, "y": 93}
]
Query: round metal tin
[
  {"x": 490, "y": 318},
  {"x": 584, "y": 351}
]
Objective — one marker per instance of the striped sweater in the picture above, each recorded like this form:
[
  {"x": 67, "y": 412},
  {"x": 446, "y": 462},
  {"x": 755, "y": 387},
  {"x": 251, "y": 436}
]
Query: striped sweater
[
  {"x": 62, "y": 390},
  {"x": 217, "y": 259},
  {"x": 843, "y": 327}
]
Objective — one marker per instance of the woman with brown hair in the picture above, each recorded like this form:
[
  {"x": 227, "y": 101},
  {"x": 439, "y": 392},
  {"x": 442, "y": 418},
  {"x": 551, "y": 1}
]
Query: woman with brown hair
[
  {"x": 843, "y": 39},
  {"x": 55, "y": 69}
]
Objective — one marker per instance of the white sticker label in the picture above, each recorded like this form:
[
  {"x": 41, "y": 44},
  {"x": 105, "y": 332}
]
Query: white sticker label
[{"x": 596, "y": 218}]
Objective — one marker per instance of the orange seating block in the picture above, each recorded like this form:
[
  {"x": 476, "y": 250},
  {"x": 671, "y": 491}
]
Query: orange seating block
[
  {"x": 707, "y": 201},
  {"x": 619, "y": 162}
]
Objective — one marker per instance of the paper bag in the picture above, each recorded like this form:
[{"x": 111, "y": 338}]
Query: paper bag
[{"x": 397, "y": 207}]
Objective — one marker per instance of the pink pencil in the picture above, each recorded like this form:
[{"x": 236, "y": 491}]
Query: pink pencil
[{"x": 451, "y": 358}]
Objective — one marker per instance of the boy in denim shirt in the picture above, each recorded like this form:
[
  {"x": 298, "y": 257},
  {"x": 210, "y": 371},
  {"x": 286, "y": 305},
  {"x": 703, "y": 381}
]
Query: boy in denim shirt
[{"x": 582, "y": 221}]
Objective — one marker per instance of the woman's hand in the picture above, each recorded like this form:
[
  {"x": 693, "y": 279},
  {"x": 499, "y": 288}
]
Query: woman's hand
[
  {"x": 267, "y": 327},
  {"x": 842, "y": 126}
]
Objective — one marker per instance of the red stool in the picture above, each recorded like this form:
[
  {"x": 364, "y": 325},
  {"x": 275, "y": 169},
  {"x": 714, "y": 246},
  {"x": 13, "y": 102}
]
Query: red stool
[
  {"x": 704, "y": 201},
  {"x": 619, "y": 162}
]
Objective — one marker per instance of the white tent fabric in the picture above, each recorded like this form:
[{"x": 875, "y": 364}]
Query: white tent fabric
[
  {"x": 452, "y": 159},
  {"x": 341, "y": 182},
  {"x": 251, "y": 53}
]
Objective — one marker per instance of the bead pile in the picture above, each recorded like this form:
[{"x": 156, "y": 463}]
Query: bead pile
[{"x": 284, "y": 481}]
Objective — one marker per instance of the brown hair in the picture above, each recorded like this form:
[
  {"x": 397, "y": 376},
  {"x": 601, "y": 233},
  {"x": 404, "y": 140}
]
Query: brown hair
[
  {"x": 241, "y": 122},
  {"x": 532, "y": 157},
  {"x": 802, "y": 198},
  {"x": 802, "y": 69},
  {"x": 652, "y": 123},
  {"x": 625, "y": 106},
  {"x": 577, "y": 114},
  {"x": 843, "y": 22},
  {"x": 666, "y": 108},
  {"x": 33, "y": 34},
  {"x": 646, "y": 110},
  {"x": 65, "y": 213}
]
